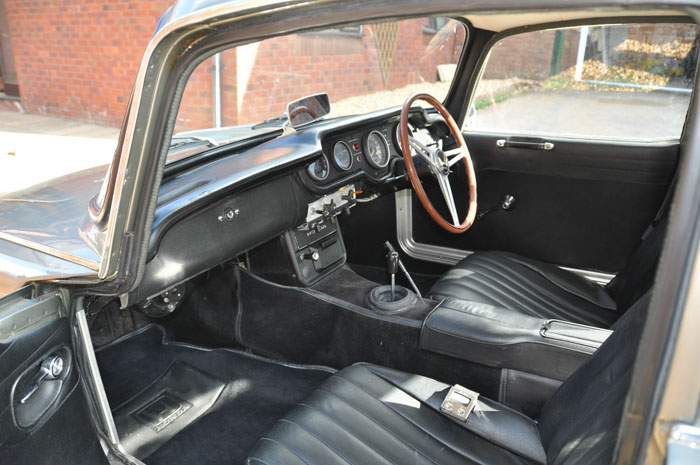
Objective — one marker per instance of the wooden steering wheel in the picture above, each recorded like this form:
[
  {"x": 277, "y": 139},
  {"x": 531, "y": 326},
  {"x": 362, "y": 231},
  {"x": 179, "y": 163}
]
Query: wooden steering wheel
[{"x": 440, "y": 164}]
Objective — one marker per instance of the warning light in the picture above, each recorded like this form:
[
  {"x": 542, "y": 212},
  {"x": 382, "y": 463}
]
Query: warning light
[{"x": 356, "y": 146}]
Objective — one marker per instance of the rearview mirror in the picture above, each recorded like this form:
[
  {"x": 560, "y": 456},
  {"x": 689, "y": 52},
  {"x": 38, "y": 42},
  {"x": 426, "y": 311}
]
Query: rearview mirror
[{"x": 308, "y": 109}]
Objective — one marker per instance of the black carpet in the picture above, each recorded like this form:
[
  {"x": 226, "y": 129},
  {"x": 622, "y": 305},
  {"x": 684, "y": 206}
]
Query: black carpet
[
  {"x": 304, "y": 326},
  {"x": 150, "y": 388}
]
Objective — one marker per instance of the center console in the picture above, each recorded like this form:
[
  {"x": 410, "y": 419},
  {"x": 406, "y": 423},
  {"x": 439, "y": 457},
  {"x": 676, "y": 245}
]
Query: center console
[
  {"x": 316, "y": 246},
  {"x": 503, "y": 338}
]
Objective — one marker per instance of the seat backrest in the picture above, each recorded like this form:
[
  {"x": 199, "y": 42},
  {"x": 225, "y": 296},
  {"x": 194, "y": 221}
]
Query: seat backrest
[
  {"x": 579, "y": 424},
  {"x": 637, "y": 277}
]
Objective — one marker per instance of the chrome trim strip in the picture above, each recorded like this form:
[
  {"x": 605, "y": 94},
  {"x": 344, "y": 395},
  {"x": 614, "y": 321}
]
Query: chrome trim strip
[
  {"x": 94, "y": 375},
  {"x": 91, "y": 264},
  {"x": 448, "y": 255},
  {"x": 419, "y": 251},
  {"x": 95, "y": 379}
]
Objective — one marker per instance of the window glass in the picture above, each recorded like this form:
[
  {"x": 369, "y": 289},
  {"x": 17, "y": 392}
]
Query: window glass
[
  {"x": 362, "y": 68},
  {"x": 618, "y": 81}
]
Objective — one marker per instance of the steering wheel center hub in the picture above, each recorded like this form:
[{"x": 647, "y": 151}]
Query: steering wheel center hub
[{"x": 442, "y": 161}]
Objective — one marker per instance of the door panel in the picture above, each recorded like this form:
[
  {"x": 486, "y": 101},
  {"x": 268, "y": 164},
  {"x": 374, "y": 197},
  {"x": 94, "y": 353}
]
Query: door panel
[
  {"x": 581, "y": 204},
  {"x": 43, "y": 419}
]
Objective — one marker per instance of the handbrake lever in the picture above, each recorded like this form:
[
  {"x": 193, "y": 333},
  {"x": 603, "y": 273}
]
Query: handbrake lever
[{"x": 403, "y": 269}]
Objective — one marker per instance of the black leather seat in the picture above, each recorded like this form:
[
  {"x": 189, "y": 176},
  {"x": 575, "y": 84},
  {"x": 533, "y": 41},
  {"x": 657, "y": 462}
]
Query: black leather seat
[
  {"x": 368, "y": 414},
  {"x": 546, "y": 291}
]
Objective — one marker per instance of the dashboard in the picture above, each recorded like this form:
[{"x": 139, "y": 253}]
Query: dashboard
[{"x": 292, "y": 186}]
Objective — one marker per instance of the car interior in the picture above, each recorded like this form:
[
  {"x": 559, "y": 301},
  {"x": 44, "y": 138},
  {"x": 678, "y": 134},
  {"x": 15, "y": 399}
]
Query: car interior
[{"x": 462, "y": 278}]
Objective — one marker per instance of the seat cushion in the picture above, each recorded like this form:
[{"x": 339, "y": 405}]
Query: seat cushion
[
  {"x": 534, "y": 288},
  {"x": 368, "y": 414}
]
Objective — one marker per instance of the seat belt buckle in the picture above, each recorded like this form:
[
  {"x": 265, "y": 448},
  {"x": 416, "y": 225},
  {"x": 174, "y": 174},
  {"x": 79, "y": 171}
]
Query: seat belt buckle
[{"x": 459, "y": 402}]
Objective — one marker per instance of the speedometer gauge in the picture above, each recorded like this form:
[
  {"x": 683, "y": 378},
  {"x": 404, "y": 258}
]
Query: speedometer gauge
[
  {"x": 377, "y": 149},
  {"x": 319, "y": 169},
  {"x": 342, "y": 156}
]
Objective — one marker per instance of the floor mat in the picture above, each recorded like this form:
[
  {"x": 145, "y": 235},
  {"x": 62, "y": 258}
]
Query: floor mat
[{"x": 179, "y": 404}]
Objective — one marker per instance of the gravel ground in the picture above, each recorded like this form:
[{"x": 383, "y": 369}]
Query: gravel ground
[{"x": 488, "y": 89}]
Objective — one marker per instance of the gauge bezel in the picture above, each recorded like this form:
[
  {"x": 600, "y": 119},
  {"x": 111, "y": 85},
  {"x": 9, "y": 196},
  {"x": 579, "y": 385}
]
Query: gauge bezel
[
  {"x": 335, "y": 161},
  {"x": 386, "y": 146},
  {"x": 397, "y": 137},
  {"x": 311, "y": 173}
]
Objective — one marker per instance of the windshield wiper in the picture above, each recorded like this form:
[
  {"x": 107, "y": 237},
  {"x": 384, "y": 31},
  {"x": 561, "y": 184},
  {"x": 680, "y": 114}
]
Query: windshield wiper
[
  {"x": 180, "y": 141},
  {"x": 277, "y": 121}
]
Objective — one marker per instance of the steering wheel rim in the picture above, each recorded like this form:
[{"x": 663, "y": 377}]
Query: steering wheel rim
[{"x": 440, "y": 164}]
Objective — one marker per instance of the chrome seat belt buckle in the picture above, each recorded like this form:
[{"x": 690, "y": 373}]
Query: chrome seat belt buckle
[{"x": 459, "y": 402}]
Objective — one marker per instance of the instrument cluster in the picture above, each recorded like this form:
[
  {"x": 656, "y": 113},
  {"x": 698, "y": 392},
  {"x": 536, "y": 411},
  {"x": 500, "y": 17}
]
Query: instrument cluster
[{"x": 345, "y": 155}]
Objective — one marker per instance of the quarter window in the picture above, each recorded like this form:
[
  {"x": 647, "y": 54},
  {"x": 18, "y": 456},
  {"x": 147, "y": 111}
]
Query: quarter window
[{"x": 628, "y": 81}]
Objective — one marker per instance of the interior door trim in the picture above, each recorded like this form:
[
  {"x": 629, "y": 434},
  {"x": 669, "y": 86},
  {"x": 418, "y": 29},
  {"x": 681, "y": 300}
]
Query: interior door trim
[{"x": 448, "y": 255}]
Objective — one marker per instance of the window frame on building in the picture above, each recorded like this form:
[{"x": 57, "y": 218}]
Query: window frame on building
[{"x": 8, "y": 71}]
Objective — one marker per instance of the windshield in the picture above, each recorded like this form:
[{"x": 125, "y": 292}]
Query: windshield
[{"x": 243, "y": 92}]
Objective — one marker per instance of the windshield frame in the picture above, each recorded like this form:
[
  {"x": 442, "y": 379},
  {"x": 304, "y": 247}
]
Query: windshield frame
[
  {"x": 332, "y": 29},
  {"x": 174, "y": 52}
]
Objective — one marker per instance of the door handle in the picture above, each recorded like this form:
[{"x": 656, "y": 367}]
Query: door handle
[
  {"x": 524, "y": 144},
  {"x": 507, "y": 203},
  {"x": 51, "y": 368}
]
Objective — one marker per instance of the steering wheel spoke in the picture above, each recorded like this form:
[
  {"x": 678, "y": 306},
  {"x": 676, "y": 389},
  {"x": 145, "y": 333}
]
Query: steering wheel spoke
[
  {"x": 446, "y": 189},
  {"x": 455, "y": 155},
  {"x": 424, "y": 152}
]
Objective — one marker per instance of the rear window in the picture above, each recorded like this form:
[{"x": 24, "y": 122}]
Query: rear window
[{"x": 630, "y": 81}]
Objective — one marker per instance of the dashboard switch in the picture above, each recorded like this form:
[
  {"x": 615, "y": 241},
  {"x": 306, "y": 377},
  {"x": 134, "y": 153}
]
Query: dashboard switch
[{"x": 311, "y": 255}]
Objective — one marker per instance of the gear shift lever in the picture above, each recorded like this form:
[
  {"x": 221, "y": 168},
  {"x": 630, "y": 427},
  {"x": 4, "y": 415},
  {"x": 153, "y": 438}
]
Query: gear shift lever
[
  {"x": 392, "y": 263},
  {"x": 391, "y": 249}
]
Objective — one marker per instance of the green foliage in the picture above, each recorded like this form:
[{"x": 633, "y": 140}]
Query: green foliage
[{"x": 486, "y": 102}]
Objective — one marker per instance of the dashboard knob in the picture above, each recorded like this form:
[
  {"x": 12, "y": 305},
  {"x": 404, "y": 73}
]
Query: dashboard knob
[{"x": 314, "y": 255}]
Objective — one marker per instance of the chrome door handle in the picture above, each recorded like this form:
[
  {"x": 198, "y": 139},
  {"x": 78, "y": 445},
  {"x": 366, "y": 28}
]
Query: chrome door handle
[
  {"x": 51, "y": 368},
  {"x": 521, "y": 144}
]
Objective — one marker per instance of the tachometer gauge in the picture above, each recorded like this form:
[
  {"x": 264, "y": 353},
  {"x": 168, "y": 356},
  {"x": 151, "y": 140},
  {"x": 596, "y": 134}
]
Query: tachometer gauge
[
  {"x": 318, "y": 170},
  {"x": 377, "y": 149},
  {"x": 342, "y": 156}
]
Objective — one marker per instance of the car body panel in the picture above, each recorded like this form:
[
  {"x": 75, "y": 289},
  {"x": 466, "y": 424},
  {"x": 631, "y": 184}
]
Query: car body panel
[{"x": 54, "y": 215}]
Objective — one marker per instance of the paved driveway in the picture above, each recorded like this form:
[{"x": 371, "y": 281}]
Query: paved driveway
[
  {"x": 36, "y": 148},
  {"x": 602, "y": 114}
]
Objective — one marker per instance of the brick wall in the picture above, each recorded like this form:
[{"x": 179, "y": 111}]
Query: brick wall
[
  {"x": 79, "y": 58},
  {"x": 529, "y": 56},
  {"x": 659, "y": 33},
  {"x": 259, "y": 79}
]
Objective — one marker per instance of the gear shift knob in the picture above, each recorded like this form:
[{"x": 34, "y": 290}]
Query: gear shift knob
[{"x": 392, "y": 262}]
